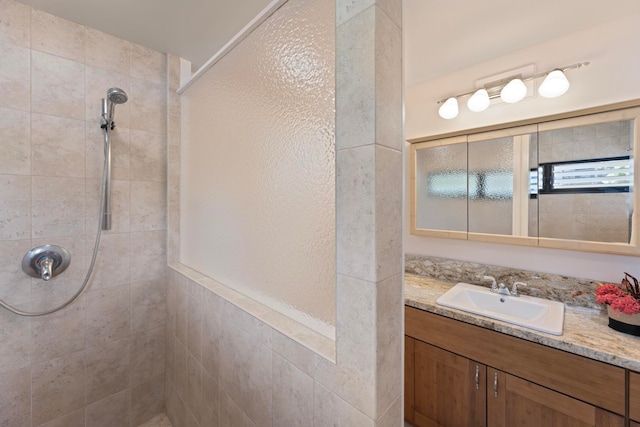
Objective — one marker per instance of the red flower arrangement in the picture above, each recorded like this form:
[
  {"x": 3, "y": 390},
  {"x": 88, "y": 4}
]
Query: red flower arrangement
[{"x": 624, "y": 298}]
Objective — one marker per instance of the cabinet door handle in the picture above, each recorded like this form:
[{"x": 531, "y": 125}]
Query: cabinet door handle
[
  {"x": 495, "y": 384},
  {"x": 477, "y": 377}
]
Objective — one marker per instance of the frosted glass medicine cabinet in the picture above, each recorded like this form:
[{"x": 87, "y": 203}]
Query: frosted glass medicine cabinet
[{"x": 564, "y": 181}]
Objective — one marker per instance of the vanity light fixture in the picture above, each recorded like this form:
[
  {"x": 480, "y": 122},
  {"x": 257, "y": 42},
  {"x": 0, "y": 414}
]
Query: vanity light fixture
[{"x": 510, "y": 90}]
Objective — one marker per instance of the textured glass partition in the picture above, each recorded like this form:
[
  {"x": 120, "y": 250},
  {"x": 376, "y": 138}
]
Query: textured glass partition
[
  {"x": 491, "y": 186},
  {"x": 441, "y": 187},
  {"x": 258, "y": 166}
]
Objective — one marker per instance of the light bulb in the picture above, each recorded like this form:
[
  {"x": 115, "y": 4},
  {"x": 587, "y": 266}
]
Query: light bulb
[
  {"x": 514, "y": 91},
  {"x": 554, "y": 85},
  {"x": 449, "y": 109},
  {"x": 479, "y": 101}
]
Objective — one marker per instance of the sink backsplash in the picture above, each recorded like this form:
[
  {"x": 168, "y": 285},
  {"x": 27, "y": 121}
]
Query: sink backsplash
[{"x": 570, "y": 290}]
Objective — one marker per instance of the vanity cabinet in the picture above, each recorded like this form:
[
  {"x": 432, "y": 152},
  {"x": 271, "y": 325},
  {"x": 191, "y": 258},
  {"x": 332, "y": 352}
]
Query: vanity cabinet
[{"x": 465, "y": 375}]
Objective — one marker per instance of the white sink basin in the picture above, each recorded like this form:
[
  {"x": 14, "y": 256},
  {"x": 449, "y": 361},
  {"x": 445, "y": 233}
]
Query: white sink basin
[{"x": 530, "y": 312}]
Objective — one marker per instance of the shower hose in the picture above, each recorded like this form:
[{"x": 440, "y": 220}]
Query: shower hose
[{"x": 93, "y": 257}]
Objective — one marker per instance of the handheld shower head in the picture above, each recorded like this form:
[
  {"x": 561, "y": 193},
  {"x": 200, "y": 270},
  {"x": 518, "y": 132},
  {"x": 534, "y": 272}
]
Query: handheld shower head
[{"x": 115, "y": 96}]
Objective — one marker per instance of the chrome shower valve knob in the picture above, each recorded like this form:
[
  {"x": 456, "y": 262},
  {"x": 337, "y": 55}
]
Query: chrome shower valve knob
[{"x": 46, "y": 261}]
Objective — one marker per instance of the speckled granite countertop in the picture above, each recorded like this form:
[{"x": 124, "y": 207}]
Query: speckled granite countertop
[{"x": 585, "y": 330}]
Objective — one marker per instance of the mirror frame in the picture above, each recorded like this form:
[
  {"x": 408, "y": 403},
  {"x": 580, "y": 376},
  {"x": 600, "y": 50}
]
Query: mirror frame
[{"x": 620, "y": 111}]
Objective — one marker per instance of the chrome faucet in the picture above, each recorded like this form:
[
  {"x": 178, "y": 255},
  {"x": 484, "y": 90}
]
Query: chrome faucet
[
  {"x": 494, "y": 286},
  {"x": 502, "y": 289},
  {"x": 514, "y": 288}
]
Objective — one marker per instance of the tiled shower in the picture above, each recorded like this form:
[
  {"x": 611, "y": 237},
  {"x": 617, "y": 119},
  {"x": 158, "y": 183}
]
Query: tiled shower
[{"x": 102, "y": 357}]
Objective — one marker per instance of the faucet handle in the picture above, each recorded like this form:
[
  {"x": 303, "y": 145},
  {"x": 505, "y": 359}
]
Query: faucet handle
[
  {"x": 514, "y": 288},
  {"x": 494, "y": 285}
]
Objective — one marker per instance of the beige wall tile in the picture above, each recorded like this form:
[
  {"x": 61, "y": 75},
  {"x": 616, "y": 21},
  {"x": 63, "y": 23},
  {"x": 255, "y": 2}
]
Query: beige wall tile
[
  {"x": 389, "y": 89},
  {"x": 57, "y": 36},
  {"x": 108, "y": 315},
  {"x": 295, "y": 353},
  {"x": 388, "y": 210},
  {"x": 147, "y": 400},
  {"x": 57, "y": 86},
  {"x": 148, "y": 156},
  {"x": 147, "y": 64},
  {"x": 114, "y": 251},
  {"x": 58, "y": 387},
  {"x": 170, "y": 357},
  {"x": 231, "y": 414},
  {"x": 354, "y": 376},
  {"x": 173, "y": 66},
  {"x": 15, "y": 286},
  {"x": 389, "y": 343},
  {"x": 247, "y": 380},
  {"x": 15, "y": 133},
  {"x": 58, "y": 334},
  {"x": 182, "y": 301},
  {"x": 194, "y": 399},
  {"x": 148, "y": 106},
  {"x": 194, "y": 321},
  {"x": 110, "y": 412},
  {"x": 74, "y": 419},
  {"x": 355, "y": 78},
  {"x": 107, "y": 52},
  {"x": 148, "y": 206},
  {"x": 292, "y": 395},
  {"x": 211, "y": 333},
  {"x": 147, "y": 305},
  {"x": 15, "y": 191},
  {"x": 148, "y": 254},
  {"x": 181, "y": 369},
  {"x": 57, "y": 141},
  {"x": 15, "y": 77},
  {"x": 15, "y": 352},
  {"x": 392, "y": 416},
  {"x": 355, "y": 216},
  {"x": 176, "y": 408},
  {"x": 210, "y": 400},
  {"x": 147, "y": 355},
  {"x": 331, "y": 411},
  {"x": 62, "y": 215},
  {"x": 15, "y": 393},
  {"x": 107, "y": 370},
  {"x": 15, "y": 27}
]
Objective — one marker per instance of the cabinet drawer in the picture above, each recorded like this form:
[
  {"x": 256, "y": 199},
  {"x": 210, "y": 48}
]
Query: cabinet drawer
[
  {"x": 591, "y": 381},
  {"x": 634, "y": 396}
]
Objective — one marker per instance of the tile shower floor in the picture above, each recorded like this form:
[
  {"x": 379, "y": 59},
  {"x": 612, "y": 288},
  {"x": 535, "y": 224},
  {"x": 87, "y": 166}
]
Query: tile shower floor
[{"x": 157, "y": 421}]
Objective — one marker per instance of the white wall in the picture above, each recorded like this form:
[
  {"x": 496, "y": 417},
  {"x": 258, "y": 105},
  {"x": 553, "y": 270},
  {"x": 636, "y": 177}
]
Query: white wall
[{"x": 612, "y": 48}]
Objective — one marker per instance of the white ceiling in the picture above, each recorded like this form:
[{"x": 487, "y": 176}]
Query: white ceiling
[
  {"x": 192, "y": 29},
  {"x": 441, "y": 36}
]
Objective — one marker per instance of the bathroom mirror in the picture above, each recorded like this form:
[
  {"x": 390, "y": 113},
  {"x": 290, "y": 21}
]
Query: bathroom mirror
[{"x": 563, "y": 182}]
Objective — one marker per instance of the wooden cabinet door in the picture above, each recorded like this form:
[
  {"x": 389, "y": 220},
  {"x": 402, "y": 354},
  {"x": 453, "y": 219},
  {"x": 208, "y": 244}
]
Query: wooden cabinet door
[
  {"x": 634, "y": 397},
  {"x": 409, "y": 377},
  {"x": 512, "y": 401},
  {"x": 449, "y": 390}
]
